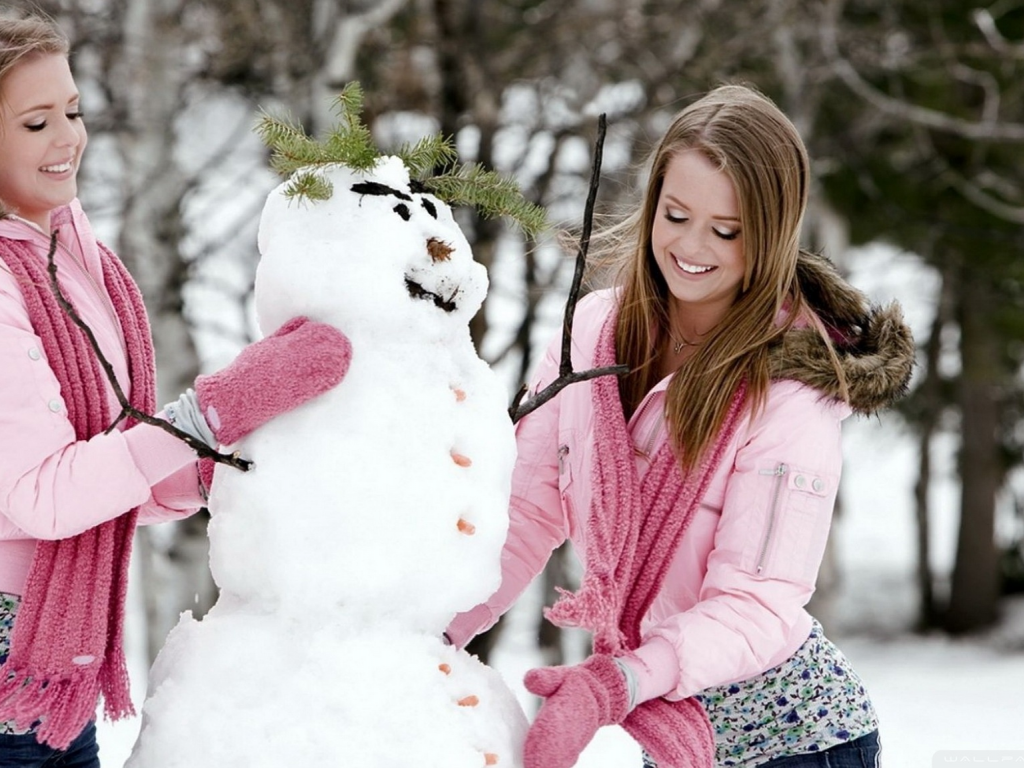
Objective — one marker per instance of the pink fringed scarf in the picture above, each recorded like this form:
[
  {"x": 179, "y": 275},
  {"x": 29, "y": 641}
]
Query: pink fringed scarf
[
  {"x": 633, "y": 530},
  {"x": 67, "y": 645}
]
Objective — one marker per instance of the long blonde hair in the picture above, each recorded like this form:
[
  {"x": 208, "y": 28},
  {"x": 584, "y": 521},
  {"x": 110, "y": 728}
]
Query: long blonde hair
[
  {"x": 23, "y": 36},
  {"x": 745, "y": 135}
]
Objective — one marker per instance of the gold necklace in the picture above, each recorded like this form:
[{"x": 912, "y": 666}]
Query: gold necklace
[{"x": 677, "y": 346}]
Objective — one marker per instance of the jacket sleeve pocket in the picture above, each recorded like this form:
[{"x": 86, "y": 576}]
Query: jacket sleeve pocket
[
  {"x": 567, "y": 457},
  {"x": 794, "y": 525}
]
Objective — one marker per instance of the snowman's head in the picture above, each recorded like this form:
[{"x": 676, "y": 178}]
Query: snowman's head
[{"x": 381, "y": 255}]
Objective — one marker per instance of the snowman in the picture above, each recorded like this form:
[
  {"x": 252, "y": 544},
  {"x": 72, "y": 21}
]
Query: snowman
[{"x": 373, "y": 514}]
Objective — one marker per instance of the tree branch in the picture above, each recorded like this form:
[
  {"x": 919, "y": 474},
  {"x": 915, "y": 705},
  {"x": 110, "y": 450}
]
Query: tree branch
[
  {"x": 983, "y": 19},
  {"x": 986, "y": 129},
  {"x": 566, "y": 375},
  {"x": 127, "y": 409},
  {"x": 977, "y": 195}
]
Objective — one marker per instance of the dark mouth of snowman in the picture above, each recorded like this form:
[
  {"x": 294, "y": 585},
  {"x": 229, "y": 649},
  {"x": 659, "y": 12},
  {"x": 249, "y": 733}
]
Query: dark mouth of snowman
[{"x": 417, "y": 291}]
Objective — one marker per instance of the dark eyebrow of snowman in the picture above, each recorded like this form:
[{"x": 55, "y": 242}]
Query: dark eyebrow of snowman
[{"x": 383, "y": 190}]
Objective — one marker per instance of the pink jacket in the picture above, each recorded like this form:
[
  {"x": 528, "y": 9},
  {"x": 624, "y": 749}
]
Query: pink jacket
[
  {"x": 732, "y": 604},
  {"x": 52, "y": 486}
]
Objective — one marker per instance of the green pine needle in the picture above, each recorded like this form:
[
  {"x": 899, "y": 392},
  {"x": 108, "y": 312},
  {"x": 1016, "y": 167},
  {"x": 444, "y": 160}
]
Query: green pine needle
[
  {"x": 348, "y": 105},
  {"x": 291, "y": 147},
  {"x": 353, "y": 148},
  {"x": 426, "y": 155},
  {"x": 490, "y": 192},
  {"x": 309, "y": 185},
  {"x": 350, "y": 144}
]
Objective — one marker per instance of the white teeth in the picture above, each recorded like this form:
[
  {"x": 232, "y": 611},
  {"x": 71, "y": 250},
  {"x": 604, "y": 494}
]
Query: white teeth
[
  {"x": 57, "y": 168},
  {"x": 692, "y": 269}
]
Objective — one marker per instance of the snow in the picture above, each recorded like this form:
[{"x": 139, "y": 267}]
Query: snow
[
  {"x": 373, "y": 514},
  {"x": 932, "y": 692}
]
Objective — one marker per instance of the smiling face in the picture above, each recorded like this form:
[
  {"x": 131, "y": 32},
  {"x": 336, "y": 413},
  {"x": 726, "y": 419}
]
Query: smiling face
[
  {"x": 42, "y": 137},
  {"x": 697, "y": 242}
]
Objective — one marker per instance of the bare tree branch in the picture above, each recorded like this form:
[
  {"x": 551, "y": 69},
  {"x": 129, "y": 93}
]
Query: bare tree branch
[
  {"x": 987, "y": 25},
  {"x": 127, "y": 409},
  {"x": 986, "y": 129},
  {"x": 978, "y": 196},
  {"x": 566, "y": 375}
]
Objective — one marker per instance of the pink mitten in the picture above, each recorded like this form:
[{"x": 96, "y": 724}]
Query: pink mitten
[
  {"x": 269, "y": 377},
  {"x": 580, "y": 700}
]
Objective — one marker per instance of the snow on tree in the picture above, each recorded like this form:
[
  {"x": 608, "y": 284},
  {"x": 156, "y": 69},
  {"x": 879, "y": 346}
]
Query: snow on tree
[{"x": 373, "y": 514}]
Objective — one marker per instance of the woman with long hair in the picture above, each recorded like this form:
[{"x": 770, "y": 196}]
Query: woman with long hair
[
  {"x": 698, "y": 488},
  {"x": 75, "y": 477}
]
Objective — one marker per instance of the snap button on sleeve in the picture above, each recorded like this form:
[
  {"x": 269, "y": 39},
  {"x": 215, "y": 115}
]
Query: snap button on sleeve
[
  {"x": 800, "y": 481},
  {"x": 54, "y": 405},
  {"x": 34, "y": 353},
  {"x": 818, "y": 484}
]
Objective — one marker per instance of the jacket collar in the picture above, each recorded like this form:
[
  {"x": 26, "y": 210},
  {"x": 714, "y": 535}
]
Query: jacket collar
[
  {"x": 14, "y": 227},
  {"x": 874, "y": 345}
]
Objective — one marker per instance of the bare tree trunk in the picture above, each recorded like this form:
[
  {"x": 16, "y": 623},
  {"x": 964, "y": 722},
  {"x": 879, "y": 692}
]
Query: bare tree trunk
[
  {"x": 345, "y": 33},
  {"x": 826, "y": 230},
  {"x": 549, "y": 636},
  {"x": 483, "y": 645},
  {"x": 975, "y": 587},
  {"x": 931, "y": 405},
  {"x": 468, "y": 93},
  {"x": 926, "y": 616},
  {"x": 153, "y": 82}
]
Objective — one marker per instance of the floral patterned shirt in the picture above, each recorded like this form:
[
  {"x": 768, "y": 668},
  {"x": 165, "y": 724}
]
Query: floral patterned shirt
[
  {"x": 8, "y": 608},
  {"x": 808, "y": 703}
]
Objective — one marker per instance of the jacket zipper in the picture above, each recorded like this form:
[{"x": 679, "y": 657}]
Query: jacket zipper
[
  {"x": 563, "y": 451},
  {"x": 648, "y": 443},
  {"x": 779, "y": 473},
  {"x": 102, "y": 295}
]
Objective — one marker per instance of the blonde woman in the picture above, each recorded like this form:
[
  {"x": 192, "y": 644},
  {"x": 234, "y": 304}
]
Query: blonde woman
[
  {"x": 75, "y": 478},
  {"x": 698, "y": 488}
]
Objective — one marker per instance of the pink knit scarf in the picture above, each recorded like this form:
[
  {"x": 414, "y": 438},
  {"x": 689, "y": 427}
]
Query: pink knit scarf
[
  {"x": 67, "y": 643},
  {"x": 633, "y": 531}
]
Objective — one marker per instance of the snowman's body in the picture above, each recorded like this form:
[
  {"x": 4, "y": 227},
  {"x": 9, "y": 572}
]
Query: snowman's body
[{"x": 393, "y": 490}]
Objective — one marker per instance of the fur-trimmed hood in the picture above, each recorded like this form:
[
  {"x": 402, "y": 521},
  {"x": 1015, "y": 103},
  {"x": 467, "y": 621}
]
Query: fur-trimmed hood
[{"x": 874, "y": 345}]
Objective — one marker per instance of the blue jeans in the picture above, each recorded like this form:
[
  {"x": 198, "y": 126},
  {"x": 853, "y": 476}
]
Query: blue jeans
[
  {"x": 859, "y": 753},
  {"x": 25, "y": 752}
]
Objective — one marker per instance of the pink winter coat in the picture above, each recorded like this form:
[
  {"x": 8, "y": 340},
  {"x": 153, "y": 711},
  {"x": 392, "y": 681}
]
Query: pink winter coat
[
  {"x": 51, "y": 485},
  {"x": 732, "y": 603}
]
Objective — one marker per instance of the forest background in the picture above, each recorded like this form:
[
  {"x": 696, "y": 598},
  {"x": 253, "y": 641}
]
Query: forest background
[{"x": 913, "y": 113}]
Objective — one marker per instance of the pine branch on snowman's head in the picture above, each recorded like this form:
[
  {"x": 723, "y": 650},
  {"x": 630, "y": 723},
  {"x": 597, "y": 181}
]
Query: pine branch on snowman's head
[{"x": 349, "y": 143}]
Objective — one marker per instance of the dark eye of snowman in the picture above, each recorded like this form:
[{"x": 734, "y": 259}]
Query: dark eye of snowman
[
  {"x": 383, "y": 190},
  {"x": 437, "y": 249}
]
